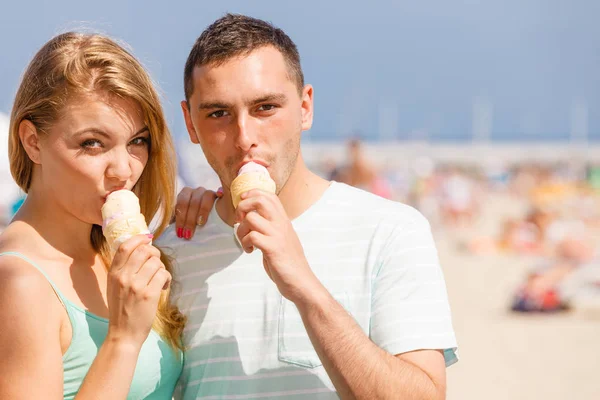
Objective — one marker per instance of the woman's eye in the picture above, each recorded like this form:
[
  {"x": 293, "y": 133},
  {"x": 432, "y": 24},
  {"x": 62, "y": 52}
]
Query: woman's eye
[
  {"x": 140, "y": 141},
  {"x": 91, "y": 144}
]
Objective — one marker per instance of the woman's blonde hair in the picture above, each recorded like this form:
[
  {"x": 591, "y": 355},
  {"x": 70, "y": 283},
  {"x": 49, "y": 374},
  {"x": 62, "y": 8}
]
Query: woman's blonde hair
[{"x": 77, "y": 63}]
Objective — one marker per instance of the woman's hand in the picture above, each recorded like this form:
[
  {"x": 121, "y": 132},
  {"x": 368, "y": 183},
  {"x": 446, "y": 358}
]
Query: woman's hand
[
  {"x": 192, "y": 209},
  {"x": 136, "y": 280}
]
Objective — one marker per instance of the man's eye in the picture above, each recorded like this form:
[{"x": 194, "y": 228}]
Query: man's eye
[
  {"x": 218, "y": 114},
  {"x": 91, "y": 144},
  {"x": 266, "y": 107}
]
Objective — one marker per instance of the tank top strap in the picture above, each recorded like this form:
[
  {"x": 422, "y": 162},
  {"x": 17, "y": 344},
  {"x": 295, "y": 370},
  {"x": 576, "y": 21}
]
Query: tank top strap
[{"x": 59, "y": 294}]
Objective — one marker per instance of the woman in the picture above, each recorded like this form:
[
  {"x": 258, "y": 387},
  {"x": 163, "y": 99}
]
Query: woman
[{"x": 75, "y": 323}]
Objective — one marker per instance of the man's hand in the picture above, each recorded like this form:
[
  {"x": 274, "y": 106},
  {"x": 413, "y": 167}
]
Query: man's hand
[{"x": 265, "y": 225}]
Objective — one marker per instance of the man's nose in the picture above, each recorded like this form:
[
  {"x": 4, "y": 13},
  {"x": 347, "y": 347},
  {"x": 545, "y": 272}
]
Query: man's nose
[{"x": 245, "y": 132}]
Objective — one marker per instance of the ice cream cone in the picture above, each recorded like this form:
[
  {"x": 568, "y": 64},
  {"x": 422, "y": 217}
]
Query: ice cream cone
[
  {"x": 122, "y": 218},
  {"x": 251, "y": 176}
]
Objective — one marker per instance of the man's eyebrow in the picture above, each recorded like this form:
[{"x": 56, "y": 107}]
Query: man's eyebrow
[
  {"x": 271, "y": 97},
  {"x": 209, "y": 105}
]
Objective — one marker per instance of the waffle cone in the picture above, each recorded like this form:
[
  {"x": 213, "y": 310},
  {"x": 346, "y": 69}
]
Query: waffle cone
[
  {"x": 119, "y": 230},
  {"x": 249, "y": 181}
]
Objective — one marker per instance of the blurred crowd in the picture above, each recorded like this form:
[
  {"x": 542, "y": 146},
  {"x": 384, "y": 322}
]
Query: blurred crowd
[{"x": 555, "y": 226}]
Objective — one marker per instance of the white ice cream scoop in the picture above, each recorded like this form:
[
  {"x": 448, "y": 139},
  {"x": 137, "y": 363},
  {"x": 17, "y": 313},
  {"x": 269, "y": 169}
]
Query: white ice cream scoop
[{"x": 121, "y": 218}]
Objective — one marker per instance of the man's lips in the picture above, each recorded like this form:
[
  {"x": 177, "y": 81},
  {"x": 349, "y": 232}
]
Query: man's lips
[{"x": 259, "y": 162}]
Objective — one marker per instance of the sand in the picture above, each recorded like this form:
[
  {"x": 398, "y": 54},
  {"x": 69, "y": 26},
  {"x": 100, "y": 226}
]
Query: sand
[{"x": 505, "y": 355}]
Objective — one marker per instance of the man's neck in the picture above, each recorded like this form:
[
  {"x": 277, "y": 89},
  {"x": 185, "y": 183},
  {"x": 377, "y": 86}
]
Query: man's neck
[{"x": 300, "y": 192}]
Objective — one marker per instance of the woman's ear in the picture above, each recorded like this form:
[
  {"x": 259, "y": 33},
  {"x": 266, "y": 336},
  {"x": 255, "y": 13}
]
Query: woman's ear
[{"x": 30, "y": 140}]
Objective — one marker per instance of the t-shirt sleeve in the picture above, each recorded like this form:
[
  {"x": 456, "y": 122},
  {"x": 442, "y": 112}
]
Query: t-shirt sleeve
[{"x": 410, "y": 309}]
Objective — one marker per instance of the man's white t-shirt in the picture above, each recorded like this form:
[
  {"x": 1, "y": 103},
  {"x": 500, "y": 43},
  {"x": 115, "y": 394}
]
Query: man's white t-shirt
[{"x": 244, "y": 340}]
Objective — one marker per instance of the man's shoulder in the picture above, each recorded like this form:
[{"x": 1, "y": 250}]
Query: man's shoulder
[
  {"x": 167, "y": 237},
  {"x": 370, "y": 205},
  {"x": 210, "y": 241}
]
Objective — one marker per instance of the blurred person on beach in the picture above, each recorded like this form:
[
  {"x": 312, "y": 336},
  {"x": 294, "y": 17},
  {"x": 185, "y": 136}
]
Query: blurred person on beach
[
  {"x": 424, "y": 191},
  {"x": 457, "y": 198},
  {"x": 77, "y": 323},
  {"x": 555, "y": 282},
  {"x": 361, "y": 173},
  {"x": 326, "y": 291},
  {"x": 565, "y": 248}
]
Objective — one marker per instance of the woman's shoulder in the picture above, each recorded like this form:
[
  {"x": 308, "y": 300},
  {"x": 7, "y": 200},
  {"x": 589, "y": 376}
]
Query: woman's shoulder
[
  {"x": 13, "y": 235},
  {"x": 19, "y": 237},
  {"x": 18, "y": 275},
  {"x": 27, "y": 302},
  {"x": 31, "y": 322}
]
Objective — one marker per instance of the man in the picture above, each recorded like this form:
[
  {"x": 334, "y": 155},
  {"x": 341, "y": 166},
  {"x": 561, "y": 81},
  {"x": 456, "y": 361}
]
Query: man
[{"x": 333, "y": 292}]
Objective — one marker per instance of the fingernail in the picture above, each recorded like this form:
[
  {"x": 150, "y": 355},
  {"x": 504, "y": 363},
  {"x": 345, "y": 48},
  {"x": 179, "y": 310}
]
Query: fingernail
[
  {"x": 179, "y": 232},
  {"x": 188, "y": 234},
  {"x": 150, "y": 236},
  {"x": 220, "y": 192},
  {"x": 200, "y": 220}
]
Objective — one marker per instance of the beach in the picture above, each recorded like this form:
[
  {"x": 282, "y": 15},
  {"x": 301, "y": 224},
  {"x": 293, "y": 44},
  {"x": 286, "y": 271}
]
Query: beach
[{"x": 505, "y": 355}]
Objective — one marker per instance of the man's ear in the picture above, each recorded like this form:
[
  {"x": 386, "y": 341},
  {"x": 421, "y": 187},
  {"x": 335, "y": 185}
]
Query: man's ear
[
  {"x": 188, "y": 122},
  {"x": 30, "y": 140},
  {"x": 307, "y": 107}
]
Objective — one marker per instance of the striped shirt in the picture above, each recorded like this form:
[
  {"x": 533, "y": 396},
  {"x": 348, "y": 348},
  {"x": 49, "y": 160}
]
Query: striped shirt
[{"x": 244, "y": 340}]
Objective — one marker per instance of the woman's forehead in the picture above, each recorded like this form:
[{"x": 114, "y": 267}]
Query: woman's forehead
[{"x": 108, "y": 113}]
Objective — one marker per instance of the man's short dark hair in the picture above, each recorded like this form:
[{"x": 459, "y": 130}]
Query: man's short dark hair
[{"x": 237, "y": 35}]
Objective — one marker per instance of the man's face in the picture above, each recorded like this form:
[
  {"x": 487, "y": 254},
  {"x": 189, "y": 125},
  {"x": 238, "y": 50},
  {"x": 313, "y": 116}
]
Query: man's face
[{"x": 248, "y": 109}]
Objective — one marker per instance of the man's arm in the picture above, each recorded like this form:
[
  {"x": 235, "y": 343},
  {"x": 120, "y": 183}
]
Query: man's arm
[
  {"x": 409, "y": 306},
  {"x": 360, "y": 369}
]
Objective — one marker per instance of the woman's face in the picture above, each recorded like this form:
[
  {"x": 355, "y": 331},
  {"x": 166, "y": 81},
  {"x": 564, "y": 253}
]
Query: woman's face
[{"x": 99, "y": 144}]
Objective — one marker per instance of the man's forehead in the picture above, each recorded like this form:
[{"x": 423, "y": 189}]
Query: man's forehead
[
  {"x": 214, "y": 90},
  {"x": 261, "y": 62}
]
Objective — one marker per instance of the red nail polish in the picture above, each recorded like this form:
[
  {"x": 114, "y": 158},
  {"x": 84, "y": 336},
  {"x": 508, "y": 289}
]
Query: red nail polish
[
  {"x": 186, "y": 234},
  {"x": 179, "y": 232}
]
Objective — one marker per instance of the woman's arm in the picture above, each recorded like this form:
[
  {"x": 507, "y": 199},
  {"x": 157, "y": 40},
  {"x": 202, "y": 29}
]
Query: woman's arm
[
  {"x": 31, "y": 314},
  {"x": 30, "y": 324}
]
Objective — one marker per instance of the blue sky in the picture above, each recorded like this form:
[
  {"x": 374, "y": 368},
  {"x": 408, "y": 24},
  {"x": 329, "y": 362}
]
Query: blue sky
[{"x": 396, "y": 68}]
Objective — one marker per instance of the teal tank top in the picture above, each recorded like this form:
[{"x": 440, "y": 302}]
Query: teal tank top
[{"x": 158, "y": 366}]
